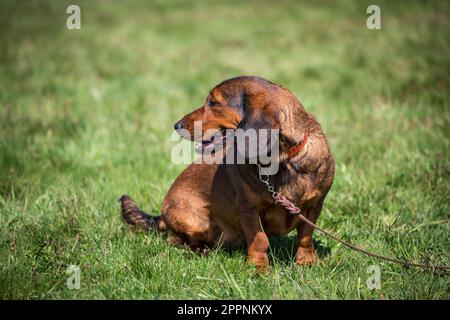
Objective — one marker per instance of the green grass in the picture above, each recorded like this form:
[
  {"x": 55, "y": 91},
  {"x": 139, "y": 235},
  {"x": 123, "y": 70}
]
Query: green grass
[{"x": 87, "y": 115}]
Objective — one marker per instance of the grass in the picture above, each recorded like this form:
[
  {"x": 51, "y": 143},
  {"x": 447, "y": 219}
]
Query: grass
[{"x": 86, "y": 115}]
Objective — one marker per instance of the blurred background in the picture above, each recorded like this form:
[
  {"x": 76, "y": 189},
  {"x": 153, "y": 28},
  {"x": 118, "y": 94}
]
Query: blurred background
[{"x": 86, "y": 115}]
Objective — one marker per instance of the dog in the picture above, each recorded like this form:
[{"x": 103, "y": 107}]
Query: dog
[{"x": 227, "y": 204}]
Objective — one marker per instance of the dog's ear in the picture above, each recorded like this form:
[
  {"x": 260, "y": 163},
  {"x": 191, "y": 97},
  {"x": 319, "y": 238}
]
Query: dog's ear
[
  {"x": 260, "y": 118},
  {"x": 259, "y": 113}
]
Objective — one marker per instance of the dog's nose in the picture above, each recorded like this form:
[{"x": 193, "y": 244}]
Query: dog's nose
[{"x": 178, "y": 125}]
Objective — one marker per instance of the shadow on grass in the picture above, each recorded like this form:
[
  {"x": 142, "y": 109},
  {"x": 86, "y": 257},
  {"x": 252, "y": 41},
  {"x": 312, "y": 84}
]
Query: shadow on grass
[
  {"x": 285, "y": 248},
  {"x": 282, "y": 249}
]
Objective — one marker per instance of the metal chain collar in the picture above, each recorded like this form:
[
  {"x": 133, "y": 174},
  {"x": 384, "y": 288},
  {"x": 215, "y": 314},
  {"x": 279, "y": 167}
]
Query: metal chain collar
[{"x": 266, "y": 181}]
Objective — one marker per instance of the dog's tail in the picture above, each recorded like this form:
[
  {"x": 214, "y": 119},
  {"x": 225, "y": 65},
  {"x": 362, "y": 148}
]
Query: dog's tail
[{"x": 135, "y": 217}]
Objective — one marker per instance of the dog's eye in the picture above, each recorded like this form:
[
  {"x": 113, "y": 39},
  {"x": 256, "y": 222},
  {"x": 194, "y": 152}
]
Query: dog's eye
[{"x": 212, "y": 103}]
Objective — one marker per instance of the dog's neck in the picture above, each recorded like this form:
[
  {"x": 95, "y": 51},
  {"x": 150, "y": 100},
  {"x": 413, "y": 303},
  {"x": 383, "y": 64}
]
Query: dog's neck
[{"x": 295, "y": 149}]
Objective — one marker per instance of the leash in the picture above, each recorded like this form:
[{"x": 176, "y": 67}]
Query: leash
[{"x": 294, "y": 210}]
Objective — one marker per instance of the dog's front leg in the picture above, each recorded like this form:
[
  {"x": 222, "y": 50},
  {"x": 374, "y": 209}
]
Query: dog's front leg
[
  {"x": 255, "y": 238},
  {"x": 306, "y": 253}
]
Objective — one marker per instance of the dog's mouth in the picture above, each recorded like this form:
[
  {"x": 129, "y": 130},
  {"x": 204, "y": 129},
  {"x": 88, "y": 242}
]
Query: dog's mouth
[{"x": 214, "y": 142}]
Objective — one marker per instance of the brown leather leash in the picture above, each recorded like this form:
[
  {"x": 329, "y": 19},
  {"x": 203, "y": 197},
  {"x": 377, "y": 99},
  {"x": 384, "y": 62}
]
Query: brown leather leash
[{"x": 293, "y": 209}]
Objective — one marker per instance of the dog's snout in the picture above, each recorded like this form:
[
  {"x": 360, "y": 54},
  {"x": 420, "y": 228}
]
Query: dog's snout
[{"x": 178, "y": 125}]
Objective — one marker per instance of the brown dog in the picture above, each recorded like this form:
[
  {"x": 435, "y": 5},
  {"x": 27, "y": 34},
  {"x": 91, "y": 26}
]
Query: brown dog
[{"x": 227, "y": 204}]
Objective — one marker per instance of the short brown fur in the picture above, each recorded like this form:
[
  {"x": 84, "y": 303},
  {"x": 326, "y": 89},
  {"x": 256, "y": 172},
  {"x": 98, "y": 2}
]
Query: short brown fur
[{"x": 211, "y": 204}]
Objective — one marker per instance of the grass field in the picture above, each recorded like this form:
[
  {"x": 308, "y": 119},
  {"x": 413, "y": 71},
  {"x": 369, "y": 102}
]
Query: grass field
[{"x": 86, "y": 115}]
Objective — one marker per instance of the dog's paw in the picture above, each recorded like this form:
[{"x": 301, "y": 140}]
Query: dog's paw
[
  {"x": 307, "y": 258},
  {"x": 260, "y": 261}
]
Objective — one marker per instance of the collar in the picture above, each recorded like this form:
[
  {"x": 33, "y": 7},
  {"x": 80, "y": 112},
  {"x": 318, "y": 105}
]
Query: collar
[{"x": 292, "y": 151}]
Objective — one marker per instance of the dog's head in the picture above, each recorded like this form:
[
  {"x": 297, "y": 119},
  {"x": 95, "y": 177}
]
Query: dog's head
[{"x": 242, "y": 103}]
